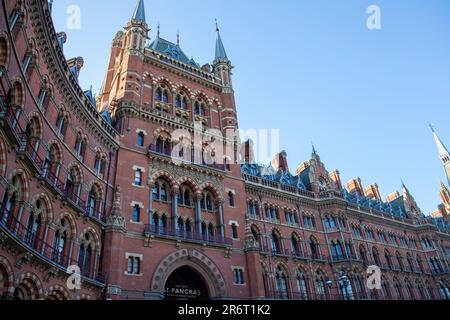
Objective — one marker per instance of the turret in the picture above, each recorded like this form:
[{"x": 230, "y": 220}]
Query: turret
[{"x": 136, "y": 31}]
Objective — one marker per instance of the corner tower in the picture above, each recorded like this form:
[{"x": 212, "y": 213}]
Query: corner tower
[{"x": 223, "y": 69}]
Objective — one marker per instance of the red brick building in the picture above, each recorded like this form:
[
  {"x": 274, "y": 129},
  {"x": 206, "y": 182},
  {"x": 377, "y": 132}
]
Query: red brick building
[{"x": 139, "y": 188}]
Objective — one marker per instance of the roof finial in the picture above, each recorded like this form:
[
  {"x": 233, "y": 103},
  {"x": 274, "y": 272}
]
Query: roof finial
[
  {"x": 217, "y": 25},
  {"x": 178, "y": 37},
  {"x": 158, "y": 30}
]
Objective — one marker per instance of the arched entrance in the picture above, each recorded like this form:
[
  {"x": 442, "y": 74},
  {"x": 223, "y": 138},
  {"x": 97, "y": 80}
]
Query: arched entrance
[
  {"x": 186, "y": 284},
  {"x": 178, "y": 267}
]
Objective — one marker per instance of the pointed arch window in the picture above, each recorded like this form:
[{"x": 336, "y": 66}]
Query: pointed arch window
[
  {"x": 376, "y": 257},
  {"x": 295, "y": 246},
  {"x": 162, "y": 95},
  {"x": 80, "y": 147},
  {"x": 207, "y": 201},
  {"x": 160, "y": 191},
  {"x": 10, "y": 203},
  {"x": 388, "y": 258},
  {"x": 85, "y": 255},
  {"x": 385, "y": 290},
  {"x": 302, "y": 286},
  {"x": 60, "y": 246},
  {"x": 281, "y": 282},
  {"x": 398, "y": 291},
  {"x": 181, "y": 102},
  {"x": 199, "y": 108},
  {"x": 34, "y": 226},
  {"x": 62, "y": 123},
  {"x": 92, "y": 202},
  {"x": 276, "y": 243}
]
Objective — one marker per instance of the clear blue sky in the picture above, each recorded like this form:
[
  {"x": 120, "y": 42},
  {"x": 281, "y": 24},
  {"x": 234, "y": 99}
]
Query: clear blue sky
[{"x": 312, "y": 69}]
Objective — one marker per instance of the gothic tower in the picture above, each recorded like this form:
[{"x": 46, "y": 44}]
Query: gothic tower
[{"x": 223, "y": 69}]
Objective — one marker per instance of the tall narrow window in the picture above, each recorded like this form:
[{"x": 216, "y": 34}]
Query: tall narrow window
[
  {"x": 26, "y": 62},
  {"x": 234, "y": 231},
  {"x": 140, "y": 139},
  {"x": 231, "y": 199},
  {"x": 136, "y": 213},
  {"x": 138, "y": 177},
  {"x": 42, "y": 98}
]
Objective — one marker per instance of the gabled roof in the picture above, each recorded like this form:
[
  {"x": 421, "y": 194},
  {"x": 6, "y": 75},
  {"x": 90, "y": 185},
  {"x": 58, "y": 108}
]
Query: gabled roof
[{"x": 172, "y": 50}]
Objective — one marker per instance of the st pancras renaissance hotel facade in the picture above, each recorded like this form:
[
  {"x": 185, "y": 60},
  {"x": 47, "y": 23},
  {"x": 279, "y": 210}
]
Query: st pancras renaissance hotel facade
[{"x": 112, "y": 197}]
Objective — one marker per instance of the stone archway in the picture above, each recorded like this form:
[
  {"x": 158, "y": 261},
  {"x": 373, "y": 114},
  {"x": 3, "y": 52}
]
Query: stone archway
[
  {"x": 186, "y": 284},
  {"x": 206, "y": 269}
]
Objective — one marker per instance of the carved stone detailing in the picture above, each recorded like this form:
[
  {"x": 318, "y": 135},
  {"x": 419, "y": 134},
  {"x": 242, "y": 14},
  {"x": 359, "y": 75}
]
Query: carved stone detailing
[
  {"x": 115, "y": 219},
  {"x": 23, "y": 259},
  {"x": 178, "y": 172},
  {"x": 250, "y": 243},
  {"x": 195, "y": 259},
  {"x": 50, "y": 273},
  {"x": 3, "y": 238}
]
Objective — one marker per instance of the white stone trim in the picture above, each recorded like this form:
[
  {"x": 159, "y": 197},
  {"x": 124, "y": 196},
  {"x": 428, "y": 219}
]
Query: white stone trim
[
  {"x": 231, "y": 222},
  {"x": 141, "y": 131},
  {"x": 134, "y": 255},
  {"x": 135, "y": 168},
  {"x": 140, "y": 204}
]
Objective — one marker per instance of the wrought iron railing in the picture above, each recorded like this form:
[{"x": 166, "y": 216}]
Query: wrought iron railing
[{"x": 39, "y": 247}]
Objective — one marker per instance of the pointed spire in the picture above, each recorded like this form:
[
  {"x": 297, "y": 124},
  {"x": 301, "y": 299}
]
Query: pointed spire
[
  {"x": 178, "y": 37},
  {"x": 139, "y": 12},
  {"x": 443, "y": 152},
  {"x": 50, "y": 5},
  {"x": 220, "y": 49},
  {"x": 158, "y": 32},
  {"x": 314, "y": 151}
]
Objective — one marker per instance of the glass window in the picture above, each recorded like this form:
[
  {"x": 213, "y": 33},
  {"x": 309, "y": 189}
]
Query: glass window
[
  {"x": 140, "y": 139},
  {"x": 138, "y": 177},
  {"x": 136, "y": 213},
  {"x": 234, "y": 231}
]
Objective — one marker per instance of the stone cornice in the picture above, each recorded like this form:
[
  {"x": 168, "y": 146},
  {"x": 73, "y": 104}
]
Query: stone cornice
[
  {"x": 63, "y": 79},
  {"x": 342, "y": 204}
]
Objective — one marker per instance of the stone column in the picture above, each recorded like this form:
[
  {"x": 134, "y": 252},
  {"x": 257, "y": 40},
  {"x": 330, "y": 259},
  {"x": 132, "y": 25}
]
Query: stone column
[
  {"x": 192, "y": 109},
  {"x": 175, "y": 195},
  {"x": 174, "y": 98},
  {"x": 222, "y": 225},
  {"x": 198, "y": 213},
  {"x": 154, "y": 85},
  {"x": 210, "y": 115}
]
